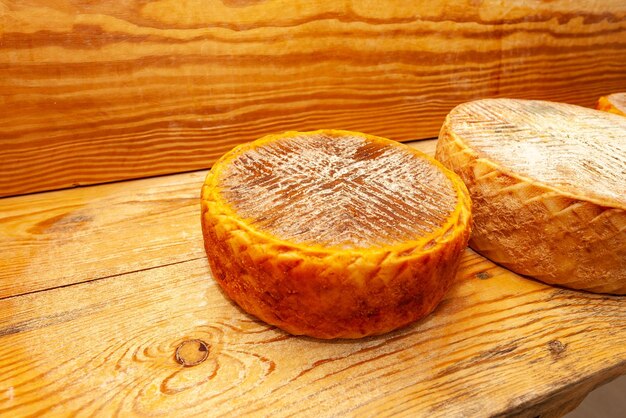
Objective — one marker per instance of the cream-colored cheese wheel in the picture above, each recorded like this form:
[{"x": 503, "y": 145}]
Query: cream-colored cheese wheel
[
  {"x": 548, "y": 185},
  {"x": 614, "y": 103},
  {"x": 334, "y": 234}
]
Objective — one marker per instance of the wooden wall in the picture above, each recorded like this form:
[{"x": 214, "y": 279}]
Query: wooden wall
[{"x": 96, "y": 91}]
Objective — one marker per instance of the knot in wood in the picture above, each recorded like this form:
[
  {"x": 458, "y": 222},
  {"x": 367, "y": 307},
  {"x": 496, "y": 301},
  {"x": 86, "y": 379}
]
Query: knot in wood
[
  {"x": 556, "y": 348},
  {"x": 192, "y": 352}
]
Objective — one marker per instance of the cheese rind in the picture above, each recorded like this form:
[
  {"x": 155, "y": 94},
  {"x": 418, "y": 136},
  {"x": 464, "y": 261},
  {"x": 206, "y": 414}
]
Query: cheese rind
[
  {"x": 331, "y": 290},
  {"x": 537, "y": 220},
  {"x": 613, "y": 103}
]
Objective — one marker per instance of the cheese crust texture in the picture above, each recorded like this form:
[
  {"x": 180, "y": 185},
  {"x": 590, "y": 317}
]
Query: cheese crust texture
[
  {"x": 613, "y": 103},
  {"x": 334, "y": 234},
  {"x": 548, "y": 185}
]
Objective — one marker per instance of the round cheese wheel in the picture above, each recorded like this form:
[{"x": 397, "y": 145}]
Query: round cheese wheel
[
  {"x": 334, "y": 234},
  {"x": 614, "y": 103},
  {"x": 548, "y": 185}
]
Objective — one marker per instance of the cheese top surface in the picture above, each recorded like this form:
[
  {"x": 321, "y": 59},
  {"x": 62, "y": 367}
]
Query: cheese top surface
[
  {"x": 571, "y": 148},
  {"x": 338, "y": 190}
]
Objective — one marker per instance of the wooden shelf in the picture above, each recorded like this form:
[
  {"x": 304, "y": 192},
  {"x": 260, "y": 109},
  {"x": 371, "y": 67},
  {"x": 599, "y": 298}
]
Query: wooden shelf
[
  {"x": 95, "y": 92},
  {"x": 100, "y": 285}
]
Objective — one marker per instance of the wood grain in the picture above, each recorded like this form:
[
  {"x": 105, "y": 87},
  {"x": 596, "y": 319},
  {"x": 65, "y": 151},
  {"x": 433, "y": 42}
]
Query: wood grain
[
  {"x": 93, "y": 92},
  {"x": 498, "y": 345},
  {"x": 77, "y": 339},
  {"x": 63, "y": 237}
]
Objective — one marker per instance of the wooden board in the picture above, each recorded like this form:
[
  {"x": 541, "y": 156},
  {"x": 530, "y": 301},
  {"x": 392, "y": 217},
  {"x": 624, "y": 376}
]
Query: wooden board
[
  {"x": 94, "y": 329},
  {"x": 92, "y": 92},
  {"x": 498, "y": 344},
  {"x": 69, "y": 236}
]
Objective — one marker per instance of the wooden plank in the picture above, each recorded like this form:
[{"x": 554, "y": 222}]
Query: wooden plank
[
  {"x": 69, "y": 236},
  {"x": 95, "y": 92},
  {"x": 498, "y": 345},
  {"x": 58, "y": 238}
]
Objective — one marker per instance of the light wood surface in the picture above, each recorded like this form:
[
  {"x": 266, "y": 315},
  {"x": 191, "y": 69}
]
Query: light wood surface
[
  {"x": 96, "y": 331},
  {"x": 98, "y": 91},
  {"x": 69, "y": 236}
]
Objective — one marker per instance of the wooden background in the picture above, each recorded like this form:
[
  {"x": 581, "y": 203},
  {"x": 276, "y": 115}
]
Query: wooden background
[{"x": 95, "y": 91}]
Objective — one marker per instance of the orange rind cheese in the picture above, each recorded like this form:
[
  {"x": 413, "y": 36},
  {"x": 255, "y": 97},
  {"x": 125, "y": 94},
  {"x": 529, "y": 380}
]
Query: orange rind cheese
[
  {"x": 548, "y": 185},
  {"x": 613, "y": 103},
  {"x": 334, "y": 234}
]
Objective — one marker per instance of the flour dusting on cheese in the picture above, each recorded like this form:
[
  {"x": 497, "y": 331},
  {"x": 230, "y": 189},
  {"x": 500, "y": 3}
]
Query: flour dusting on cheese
[
  {"x": 564, "y": 146},
  {"x": 337, "y": 190}
]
